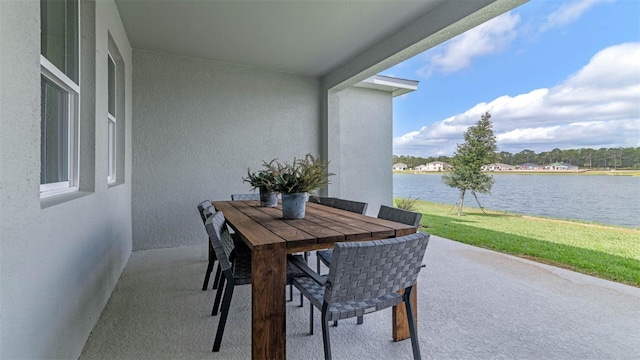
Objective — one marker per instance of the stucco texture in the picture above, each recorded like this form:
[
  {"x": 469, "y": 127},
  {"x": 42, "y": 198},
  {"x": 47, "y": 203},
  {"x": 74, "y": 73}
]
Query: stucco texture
[
  {"x": 60, "y": 258},
  {"x": 198, "y": 125},
  {"x": 360, "y": 147}
]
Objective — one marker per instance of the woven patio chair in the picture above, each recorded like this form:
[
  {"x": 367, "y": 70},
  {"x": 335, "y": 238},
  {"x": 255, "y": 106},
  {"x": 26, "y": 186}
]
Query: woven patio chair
[
  {"x": 400, "y": 215},
  {"x": 385, "y": 212},
  {"x": 212, "y": 254},
  {"x": 245, "y": 197},
  {"x": 236, "y": 269},
  {"x": 322, "y": 200},
  {"x": 207, "y": 210},
  {"x": 350, "y": 205},
  {"x": 364, "y": 277},
  {"x": 324, "y": 256}
]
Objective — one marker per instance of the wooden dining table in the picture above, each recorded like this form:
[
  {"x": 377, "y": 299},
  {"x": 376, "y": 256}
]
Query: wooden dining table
[{"x": 271, "y": 238}]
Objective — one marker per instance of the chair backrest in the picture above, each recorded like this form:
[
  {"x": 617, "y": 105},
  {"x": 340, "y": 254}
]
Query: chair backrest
[
  {"x": 370, "y": 269},
  {"x": 399, "y": 215},
  {"x": 203, "y": 205},
  {"x": 350, "y": 205},
  {"x": 220, "y": 238},
  {"x": 208, "y": 212},
  {"x": 322, "y": 200},
  {"x": 244, "y": 197}
]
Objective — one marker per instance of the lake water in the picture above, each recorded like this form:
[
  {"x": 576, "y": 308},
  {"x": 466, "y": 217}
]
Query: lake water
[{"x": 605, "y": 199}]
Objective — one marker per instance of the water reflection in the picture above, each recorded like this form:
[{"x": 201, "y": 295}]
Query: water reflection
[{"x": 606, "y": 199}]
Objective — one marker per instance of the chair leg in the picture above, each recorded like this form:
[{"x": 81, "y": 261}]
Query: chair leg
[
  {"x": 290, "y": 292},
  {"x": 216, "y": 278},
  {"x": 216, "y": 303},
  {"x": 226, "y": 303},
  {"x": 212, "y": 260},
  {"x": 207, "y": 275},
  {"x": 305, "y": 255},
  {"x": 335, "y": 323},
  {"x": 412, "y": 323},
  {"x": 310, "y": 319},
  {"x": 325, "y": 333},
  {"x": 360, "y": 319}
]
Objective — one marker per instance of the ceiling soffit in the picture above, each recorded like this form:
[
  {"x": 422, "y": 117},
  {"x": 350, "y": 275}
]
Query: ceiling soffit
[{"x": 301, "y": 37}]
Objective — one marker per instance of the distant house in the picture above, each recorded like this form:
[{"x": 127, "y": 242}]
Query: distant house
[
  {"x": 529, "y": 166},
  {"x": 561, "y": 166},
  {"x": 437, "y": 166},
  {"x": 497, "y": 167},
  {"x": 400, "y": 166},
  {"x": 433, "y": 166}
]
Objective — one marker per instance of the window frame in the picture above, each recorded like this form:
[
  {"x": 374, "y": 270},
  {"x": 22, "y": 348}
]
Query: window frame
[
  {"x": 56, "y": 76},
  {"x": 112, "y": 136}
]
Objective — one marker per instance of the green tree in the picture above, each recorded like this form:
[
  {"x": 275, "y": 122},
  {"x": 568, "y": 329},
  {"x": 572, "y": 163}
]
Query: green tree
[
  {"x": 506, "y": 157},
  {"x": 523, "y": 157},
  {"x": 587, "y": 156},
  {"x": 571, "y": 156},
  {"x": 631, "y": 157},
  {"x": 556, "y": 155},
  {"x": 479, "y": 148},
  {"x": 601, "y": 156}
]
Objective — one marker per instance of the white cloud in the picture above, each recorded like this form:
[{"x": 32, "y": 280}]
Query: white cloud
[
  {"x": 610, "y": 68},
  {"x": 595, "y": 135},
  {"x": 599, "y": 106},
  {"x": 567, "y": 13},
  {"x": 485, "y": 39}
]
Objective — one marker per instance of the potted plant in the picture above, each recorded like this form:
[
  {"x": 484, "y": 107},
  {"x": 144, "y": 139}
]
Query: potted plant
[
  {"x": 296, "y": 180},
  {"x": 264, "y": 181}
]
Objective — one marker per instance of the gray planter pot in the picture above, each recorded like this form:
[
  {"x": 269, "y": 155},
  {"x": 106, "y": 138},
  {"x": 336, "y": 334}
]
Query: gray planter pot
[
  {"x": 294, "y": 205},
  {"x": 268, "y": 198}
]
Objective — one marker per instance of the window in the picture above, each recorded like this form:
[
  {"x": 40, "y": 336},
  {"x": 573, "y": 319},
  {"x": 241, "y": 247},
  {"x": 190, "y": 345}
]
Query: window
[
  {"x": 111, "y": 119},
  {"x": 60, "y": 94}
]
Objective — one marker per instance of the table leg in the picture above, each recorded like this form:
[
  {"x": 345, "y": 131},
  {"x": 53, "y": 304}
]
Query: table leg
[
  {"x": 268, "y": 285},
  {"x": 400, "y": 327}
]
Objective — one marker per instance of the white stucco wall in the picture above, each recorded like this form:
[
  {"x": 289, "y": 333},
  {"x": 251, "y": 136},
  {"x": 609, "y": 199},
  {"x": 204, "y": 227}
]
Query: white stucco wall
[
  {"x": 197, "y": 126},
  {"x": 360, "y": 147},
  {"x": 59, "y": 259}
]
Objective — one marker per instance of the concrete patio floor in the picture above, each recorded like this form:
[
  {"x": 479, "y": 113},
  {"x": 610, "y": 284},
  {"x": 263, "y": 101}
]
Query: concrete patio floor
[{"x": 473, "y": 304}]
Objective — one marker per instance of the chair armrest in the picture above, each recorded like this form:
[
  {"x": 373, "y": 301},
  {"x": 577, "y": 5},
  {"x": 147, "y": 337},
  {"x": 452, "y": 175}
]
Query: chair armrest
[{"x": 298, "y": 261}]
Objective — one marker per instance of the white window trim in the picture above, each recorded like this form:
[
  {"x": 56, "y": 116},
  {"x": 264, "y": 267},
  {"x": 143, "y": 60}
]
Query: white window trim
[
  {"x": 112, "y": 149},
  {"x": 112, "y": 141},
  {"x": 52, "y": 73}
]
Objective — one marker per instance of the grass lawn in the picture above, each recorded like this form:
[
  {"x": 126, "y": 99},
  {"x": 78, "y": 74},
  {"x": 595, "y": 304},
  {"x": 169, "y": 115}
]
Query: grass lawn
[{"x": 604, "y": 251}]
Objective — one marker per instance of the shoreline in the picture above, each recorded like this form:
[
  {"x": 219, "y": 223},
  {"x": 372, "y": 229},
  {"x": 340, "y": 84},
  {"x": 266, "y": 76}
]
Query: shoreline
[
  {"x": 536, "y": 172},
  {"x": 475, "y": 209}
]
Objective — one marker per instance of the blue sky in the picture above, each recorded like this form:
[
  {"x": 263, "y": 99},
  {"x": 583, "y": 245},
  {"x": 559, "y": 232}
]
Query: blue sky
[{"x": 553, "y": 74}]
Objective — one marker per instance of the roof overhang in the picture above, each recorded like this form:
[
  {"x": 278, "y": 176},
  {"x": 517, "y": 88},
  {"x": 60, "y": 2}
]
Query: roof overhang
[
  {"x": 330, "y": 39},
  {"x": 395, "y": 86}
]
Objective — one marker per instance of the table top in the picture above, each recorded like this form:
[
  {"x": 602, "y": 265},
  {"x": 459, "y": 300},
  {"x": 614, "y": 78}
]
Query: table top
[{"x": 320, "y": 229}]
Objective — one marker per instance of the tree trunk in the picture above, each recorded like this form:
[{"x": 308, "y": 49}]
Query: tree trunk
[{"x": 461, "y": 202}]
